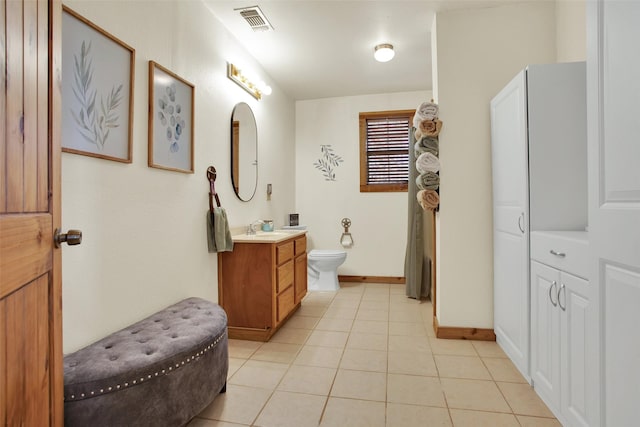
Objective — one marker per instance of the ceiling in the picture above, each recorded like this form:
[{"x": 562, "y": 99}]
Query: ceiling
[{"x": 324, "y": 48}]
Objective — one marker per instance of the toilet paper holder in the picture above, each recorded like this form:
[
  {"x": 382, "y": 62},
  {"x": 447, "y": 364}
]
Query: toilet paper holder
[{"x": 346, "y": 240}]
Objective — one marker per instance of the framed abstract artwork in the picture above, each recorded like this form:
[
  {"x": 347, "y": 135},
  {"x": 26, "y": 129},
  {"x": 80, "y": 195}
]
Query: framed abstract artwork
[
  {"x": 97, "y": 90},
  {"x": 171, "y": 110}
]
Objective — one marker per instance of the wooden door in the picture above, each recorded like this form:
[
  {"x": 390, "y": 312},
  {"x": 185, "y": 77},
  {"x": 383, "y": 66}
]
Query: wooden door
[
  {"x": 613, "y": 90},
  {"x": 31, "y": 374},
  {"x": 511, "y": 221}
]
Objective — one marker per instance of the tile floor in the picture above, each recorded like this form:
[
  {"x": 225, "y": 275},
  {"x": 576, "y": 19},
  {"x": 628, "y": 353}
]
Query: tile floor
[{"x": 367, "y": 356}]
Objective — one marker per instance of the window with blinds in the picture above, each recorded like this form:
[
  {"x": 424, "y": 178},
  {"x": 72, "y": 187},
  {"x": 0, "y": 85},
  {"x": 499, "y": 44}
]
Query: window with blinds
[{"x": 384, "y": 150}]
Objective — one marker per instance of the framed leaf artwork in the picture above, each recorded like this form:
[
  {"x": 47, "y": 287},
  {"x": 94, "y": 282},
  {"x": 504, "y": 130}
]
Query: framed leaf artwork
[{"x": 97, "y": 90}]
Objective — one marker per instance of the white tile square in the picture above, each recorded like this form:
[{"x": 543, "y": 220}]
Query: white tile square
[
  {"x": 302, "y": 322},
  {"x": 341, "y": 313},
  {"x": 338, "y": 325},
  {"x": 277, "y": 352},
  {"x": 259, "y": 374},
  {"x": 328, "y": 339},
  {"x": 241, "y": 349},
  {"x": 407, "y": 329},
  {"x": 409, "y": 343},
  {"x": 365, "y": 314},
  {"x": 400, "y": 415},
  {"x": 412, "y": 363},
  {"x": 474, "y": 395},
  {"x": 308, "y": 379},
  {"x": 324, "y": 357},
  {"x": 366, "y": 341},
  {"x": 415, "y": 390},
  {"x": 470, "y": 367},
  {"x": 353, "y": 413},
  {"x": 238, "y": 405},
  {"x": 288, "y": 335},
  {"x": 370, "y": 327},
  {"x": 467, "y": 418},
  {"x": 364, "y": 360},
  {"x": 291, "y": 410},
  {"x": 360, "y": 385}
]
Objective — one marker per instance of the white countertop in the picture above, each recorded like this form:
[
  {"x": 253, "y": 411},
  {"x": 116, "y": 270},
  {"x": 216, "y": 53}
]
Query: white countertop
[{"x": 275, "y": 236}]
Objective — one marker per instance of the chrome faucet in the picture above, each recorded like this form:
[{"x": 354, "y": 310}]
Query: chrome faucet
[{"x": 251, "y": 231}]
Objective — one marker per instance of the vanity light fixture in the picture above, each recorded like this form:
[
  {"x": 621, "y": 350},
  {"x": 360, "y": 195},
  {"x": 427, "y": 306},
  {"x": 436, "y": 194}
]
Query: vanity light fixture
[
  {"x": 256, "y": 89},
  {"x": 384, "y": 52}
]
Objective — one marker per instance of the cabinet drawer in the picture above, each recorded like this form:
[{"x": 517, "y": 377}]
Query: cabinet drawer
[
  {"x": 284, "y": 252},
  {"x": 548, "y": 248},
  {"x": 285, "y": 276},
  {"x": 300, "y": 245},
  {"x": 285, "y": 303}
]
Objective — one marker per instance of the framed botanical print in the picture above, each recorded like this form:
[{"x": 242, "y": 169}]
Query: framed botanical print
[
  {"x": 171, "y": 108},
  {"x": 97, "y": 90}
]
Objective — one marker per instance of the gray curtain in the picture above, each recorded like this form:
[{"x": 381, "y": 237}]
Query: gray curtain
[{"x": 414, "y": 256}]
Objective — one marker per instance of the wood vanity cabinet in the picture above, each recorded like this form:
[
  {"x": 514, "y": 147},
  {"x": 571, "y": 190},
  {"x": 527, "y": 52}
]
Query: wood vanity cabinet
[{"x": 260, "y": 284}]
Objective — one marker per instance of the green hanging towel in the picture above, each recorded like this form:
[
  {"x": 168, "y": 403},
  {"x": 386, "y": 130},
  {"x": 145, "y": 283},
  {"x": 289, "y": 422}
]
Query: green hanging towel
[{"x": 218, "y": 233}]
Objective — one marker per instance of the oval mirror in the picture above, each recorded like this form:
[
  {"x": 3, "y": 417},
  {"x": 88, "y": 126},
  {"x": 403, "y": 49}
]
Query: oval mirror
[{"x": 244, "y": 152}]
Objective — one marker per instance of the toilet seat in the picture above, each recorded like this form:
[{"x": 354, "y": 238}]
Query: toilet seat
[{"x": 325, "y": 253}]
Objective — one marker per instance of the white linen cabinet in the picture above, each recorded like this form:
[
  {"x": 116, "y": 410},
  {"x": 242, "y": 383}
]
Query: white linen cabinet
[
  {"x": 559, "y": 332},
  {"x": 539, "y": 166}
]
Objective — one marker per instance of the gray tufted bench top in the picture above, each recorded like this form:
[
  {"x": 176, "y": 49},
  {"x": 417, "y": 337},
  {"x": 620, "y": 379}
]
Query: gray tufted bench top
[{"x": 154, "y": 347}]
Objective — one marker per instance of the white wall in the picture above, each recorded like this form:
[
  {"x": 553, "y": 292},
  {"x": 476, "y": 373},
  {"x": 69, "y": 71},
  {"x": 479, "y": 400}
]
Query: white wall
[
  {"x": 144, "y": 229},
  {"x": 571, "y": 30},
  {"x": 379, "y": 220},
  {"x": 478, "y": 52}
]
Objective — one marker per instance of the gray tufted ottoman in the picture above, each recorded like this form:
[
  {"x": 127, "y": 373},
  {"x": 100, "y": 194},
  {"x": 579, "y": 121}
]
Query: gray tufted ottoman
[{"x": 161, "y": 371}]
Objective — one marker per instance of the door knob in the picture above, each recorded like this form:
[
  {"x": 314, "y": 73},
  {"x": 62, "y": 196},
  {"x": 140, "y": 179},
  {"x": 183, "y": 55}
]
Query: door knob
[{"x": 71, "y": 237}]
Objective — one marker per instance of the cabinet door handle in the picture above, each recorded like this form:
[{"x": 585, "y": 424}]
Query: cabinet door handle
[
  {"x": 521, "y": 222},
  {"x": 559, "y": 254},
  {"x": 562, "y": 289},
  {"x": 553, "y": 284}
]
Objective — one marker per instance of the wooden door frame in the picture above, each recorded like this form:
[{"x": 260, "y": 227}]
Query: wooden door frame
[{"x": 55, "y": 132}]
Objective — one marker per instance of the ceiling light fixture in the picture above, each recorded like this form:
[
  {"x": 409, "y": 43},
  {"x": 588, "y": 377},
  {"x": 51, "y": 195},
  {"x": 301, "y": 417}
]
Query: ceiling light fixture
[{"x": 384, "y": 52}]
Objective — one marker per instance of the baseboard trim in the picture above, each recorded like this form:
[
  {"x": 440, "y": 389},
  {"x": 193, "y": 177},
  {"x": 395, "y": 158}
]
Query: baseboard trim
[
  {"x": 372, "y": 279},
  {"x": 457, "y": 333}
]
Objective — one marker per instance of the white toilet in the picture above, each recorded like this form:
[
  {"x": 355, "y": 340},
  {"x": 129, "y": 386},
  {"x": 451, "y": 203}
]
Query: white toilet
[{"x": 322, "y": 269}]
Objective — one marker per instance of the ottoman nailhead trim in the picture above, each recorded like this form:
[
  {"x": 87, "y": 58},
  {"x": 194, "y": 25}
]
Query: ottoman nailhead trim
[{"x": 188, "y": 359}]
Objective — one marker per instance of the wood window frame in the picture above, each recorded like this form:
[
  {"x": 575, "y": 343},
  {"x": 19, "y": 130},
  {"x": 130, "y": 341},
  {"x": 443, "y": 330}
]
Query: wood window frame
[{"x": 365, "y": 186}]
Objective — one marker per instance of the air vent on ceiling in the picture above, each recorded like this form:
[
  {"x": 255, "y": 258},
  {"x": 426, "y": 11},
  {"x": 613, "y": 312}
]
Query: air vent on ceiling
[{"x": 255, "y": 18}]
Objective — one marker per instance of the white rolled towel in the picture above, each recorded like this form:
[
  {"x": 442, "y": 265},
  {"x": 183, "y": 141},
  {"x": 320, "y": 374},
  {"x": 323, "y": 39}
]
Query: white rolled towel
[
  {"x": 427, "y": 162},
  {"x": 425, "y": 111}
]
